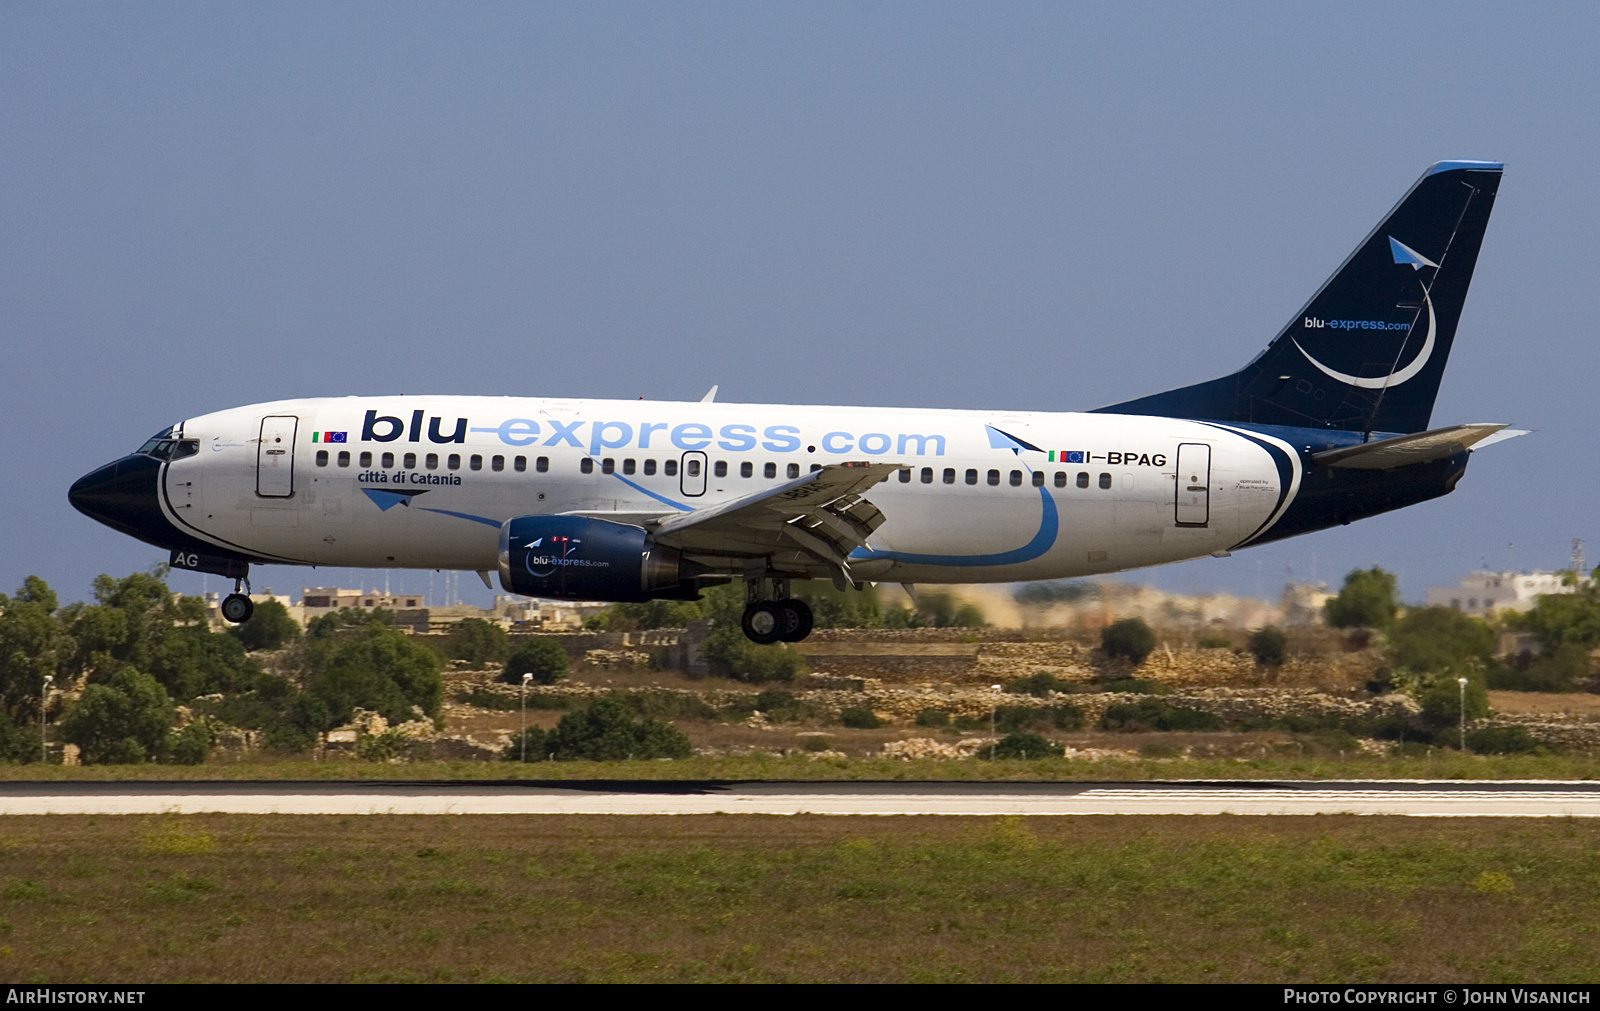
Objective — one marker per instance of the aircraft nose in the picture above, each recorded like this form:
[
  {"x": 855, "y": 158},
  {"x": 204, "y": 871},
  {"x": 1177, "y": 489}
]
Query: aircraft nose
[{"x": 122, "y": 495}]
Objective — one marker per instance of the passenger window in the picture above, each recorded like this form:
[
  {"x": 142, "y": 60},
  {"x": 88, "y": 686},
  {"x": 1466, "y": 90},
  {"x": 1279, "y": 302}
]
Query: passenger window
[
  {"x": 691, "y": 468},
  {"x": 627, "y": 466},
  {"x": 949, "y": 475},
  {"x": 432, "y": 461},
  {"x": 1105, "y": 480},
  {"x": 497, "y": 463},
  {"x": 1083, "y": 479},
  {"x": 794, "y": 470},
  {"x": 520, "y": 464},
  {"x": 994, "y": 477},
  {"x": 388, "y": 460},
  {"x": 476, "y": 463},
  {"x": 344, "y": 458},
  {"x": 542, "y": 464},
  {"x": 649, "y": 467},
  {"x": 927, "y": 475},
  {"x": 972, "y": 475},
  {"x": 608, "y": 466},
  {"x": 366, "y": 460},
  {"x": 1061, "y": 479},
  {"x": 322, "y": 458},
  {"x": 1038, "y": 479},
  {"x": 669, "y": 468},
  {"x": 816, "y": 467},
  {"x": 905, "y": 477},
  {"x": 410, "y": 461},
  {"x": 586, "y": 465},
  {"x": 454, "y": 462},
  {"x": 747, "y": 469},
  {"x": 720, "y": 468},
  {"x": 769, "y": 470}
]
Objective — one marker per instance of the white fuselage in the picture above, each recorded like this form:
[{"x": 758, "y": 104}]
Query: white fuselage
[{"x": 426, "y": 481}]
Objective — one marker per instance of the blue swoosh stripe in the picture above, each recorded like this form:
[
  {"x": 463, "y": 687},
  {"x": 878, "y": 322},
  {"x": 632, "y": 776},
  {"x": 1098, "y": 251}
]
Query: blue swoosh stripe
[
  {"x": 462, "y": 516},
  {"x": 659, "y": 498},
  {"x": 1044, "y": 540}
]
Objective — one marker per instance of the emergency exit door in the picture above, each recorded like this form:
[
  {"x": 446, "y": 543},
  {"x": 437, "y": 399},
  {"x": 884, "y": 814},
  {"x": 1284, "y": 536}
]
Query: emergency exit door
[
  {"x": 1193, "y": 496},
  {"x": 692, "y": 478},
  {"x": 275, "y": 457}
]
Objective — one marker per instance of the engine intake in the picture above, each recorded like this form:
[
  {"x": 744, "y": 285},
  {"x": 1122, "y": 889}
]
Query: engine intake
[{"x": 577, "y": 558}]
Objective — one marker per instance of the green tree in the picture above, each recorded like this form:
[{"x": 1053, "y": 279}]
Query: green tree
[
  {"x": 1023, "y": 745},
  {"x": 477, "y": 642},
  {"x": 269, "y": 627},
  {"x": 122, "y": 722},
  {"x": 651, "y": 614},
  {"x": 372, "y": 666},
  {"x": 1440, "y": 640},
  {"x": 33, "y": 643},
  {"x": 1367, "y": 600},
  {"x": 542, "y": 657},
  {"x": 1270, "y": 647},
  {"x": 1129, "y": 639},
  {"x": 1559, "y": 618}
]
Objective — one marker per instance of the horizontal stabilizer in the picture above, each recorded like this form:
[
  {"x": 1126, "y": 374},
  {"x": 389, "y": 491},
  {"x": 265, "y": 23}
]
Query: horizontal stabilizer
[{"x": 1406, "y": 450}]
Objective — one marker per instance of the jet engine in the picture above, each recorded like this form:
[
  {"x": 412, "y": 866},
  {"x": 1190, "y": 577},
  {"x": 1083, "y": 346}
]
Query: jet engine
[{"x": 577, "y": 558}]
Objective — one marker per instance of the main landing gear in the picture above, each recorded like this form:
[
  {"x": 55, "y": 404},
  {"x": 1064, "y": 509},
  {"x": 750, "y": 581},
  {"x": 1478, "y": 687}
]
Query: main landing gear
[
  {"x": 778, "y": 619},
  {"x": 237, "y": 607}
]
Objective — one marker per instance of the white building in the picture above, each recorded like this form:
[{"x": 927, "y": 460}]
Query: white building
[{"x": 1486, "y": 594}]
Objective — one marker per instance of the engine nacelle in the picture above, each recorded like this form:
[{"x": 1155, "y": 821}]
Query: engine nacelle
[{"x": 577, "y": 558}]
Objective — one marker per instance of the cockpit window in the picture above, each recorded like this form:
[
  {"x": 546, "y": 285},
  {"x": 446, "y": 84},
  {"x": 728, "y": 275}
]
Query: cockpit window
[
  {"x": 160, "y": 444},
  {"x": 188, "y": 447}
]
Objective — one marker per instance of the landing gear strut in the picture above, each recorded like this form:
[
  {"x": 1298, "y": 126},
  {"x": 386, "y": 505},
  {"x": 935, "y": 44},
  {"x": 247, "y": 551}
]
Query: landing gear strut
[
  {"x": 237, "y": 607},
  {"x": 779, "y": 619}
]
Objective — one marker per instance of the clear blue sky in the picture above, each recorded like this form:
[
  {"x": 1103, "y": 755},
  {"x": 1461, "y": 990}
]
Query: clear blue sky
[{"x": 1045, "y": 207}]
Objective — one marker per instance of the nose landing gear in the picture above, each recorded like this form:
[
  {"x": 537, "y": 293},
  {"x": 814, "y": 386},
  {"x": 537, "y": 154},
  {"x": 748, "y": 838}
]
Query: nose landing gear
[
  {"x": 237, "y": 607},
  {"x": 780, "y": 618}
]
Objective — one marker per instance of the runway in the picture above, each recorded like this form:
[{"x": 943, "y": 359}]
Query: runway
[{"x": 1452, "y": 799}]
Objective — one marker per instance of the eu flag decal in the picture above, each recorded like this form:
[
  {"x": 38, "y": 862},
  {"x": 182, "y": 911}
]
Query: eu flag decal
[{"x": 329, "y": 436}]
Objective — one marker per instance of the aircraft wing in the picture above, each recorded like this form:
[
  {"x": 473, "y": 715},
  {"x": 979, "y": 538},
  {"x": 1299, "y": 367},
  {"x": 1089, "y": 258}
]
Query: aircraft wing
[
  {"x": 1421, "y": 447},
  {"x": 808, "y": 523}
]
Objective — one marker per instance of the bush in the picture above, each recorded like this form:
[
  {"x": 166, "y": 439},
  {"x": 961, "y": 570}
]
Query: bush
[
  {"x": 1129, "y": 639},
  {"x": 604, "y": 731},
  {"x": 1020, "y": 745},
  {"x": 859, "y": 719},
  {"x": 1439, "y": 640},
  {"x": 371, "y": 666},
  {"x": 477, "y": 642},
  {"x": 1501, "y": 741},
  {"x": 120, "y": 723},
  {"x": 1038, "y": 685},
  {"x": 1215, "y": 642},
  {"x": 937, "y": 718},
  {"x": 542, "y": 657},
  {"x": 193, "y": 744},
  {"x": 734, "y": 656},
  {"x": 815, "y": 742},
  {"x": 1367, "y": 600},
  {"x": 526, "y": 746},
  {"x": 19, "y": 745},
  {"x": 1152, "y": 715},
  {"x": 1270, "y": 647}
]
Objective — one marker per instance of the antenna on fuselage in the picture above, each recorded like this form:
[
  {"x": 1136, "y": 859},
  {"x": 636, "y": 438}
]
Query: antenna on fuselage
[{"x": 710, "y": 396}]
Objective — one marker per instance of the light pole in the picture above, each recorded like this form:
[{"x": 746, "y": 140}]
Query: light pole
[
  {"x": 526, "y": 677},
  {"x": 44, "y": 703},
  {"x": 1463, "y": 683}
]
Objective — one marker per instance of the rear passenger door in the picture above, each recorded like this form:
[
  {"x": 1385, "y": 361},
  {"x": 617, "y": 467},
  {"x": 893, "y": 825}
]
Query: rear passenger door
[{"x": 1192, "y": 504}]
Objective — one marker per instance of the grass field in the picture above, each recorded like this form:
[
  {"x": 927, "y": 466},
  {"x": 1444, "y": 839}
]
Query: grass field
[
  {"x": 750, "y": 898},
  {"x": 1442, "y": 764}
]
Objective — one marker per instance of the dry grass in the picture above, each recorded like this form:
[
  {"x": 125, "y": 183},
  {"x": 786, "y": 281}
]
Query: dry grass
[{"x": 143, "y": 899}]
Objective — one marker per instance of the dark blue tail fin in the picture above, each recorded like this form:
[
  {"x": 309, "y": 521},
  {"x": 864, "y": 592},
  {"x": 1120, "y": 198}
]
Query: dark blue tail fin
[{"x": 1368, "y": 351}]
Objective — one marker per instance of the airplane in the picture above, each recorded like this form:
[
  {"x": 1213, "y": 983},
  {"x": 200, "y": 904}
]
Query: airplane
[{"x": 616, "y": 500}]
